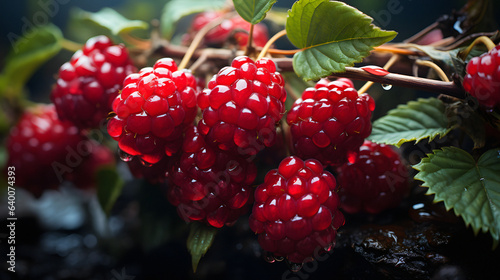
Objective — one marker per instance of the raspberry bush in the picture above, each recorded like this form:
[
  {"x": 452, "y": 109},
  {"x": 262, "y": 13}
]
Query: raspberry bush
[{"x": 219, "y": 133}]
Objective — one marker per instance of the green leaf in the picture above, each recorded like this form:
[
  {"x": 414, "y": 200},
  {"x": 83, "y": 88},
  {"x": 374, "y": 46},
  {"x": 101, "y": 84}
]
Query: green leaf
[
  {"x": 199, "y": 241},
  {"x": 414, "y": 121},
  {"x": 332, "y": 35},
  {"x": 111, "y": 20},
  {"x": 471, "y": 188},
  {"x": 174, "y": 10},
  {"x": 253, "y": 11},
  {"x": 109, "y": 187},
  {"x": 28, "y": 53}
]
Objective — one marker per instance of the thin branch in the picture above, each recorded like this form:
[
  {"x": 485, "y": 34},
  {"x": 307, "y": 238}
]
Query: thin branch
[
  {"x": 388, "y": 65},
  {"x": 430, "y": 85}
]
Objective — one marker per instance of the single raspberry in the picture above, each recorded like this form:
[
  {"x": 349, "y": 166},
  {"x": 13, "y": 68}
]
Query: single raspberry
[
  {"x": 330, "y": 121},
  {"x": 99, "y": 157},
  {"x": 242, "y": 105},
  {"x": 90, "y": 81},
  {"x": 210, "y": 185},
  {"x": 152, "y": 111},
  {"x": 375, "y": 180},
  {"x": 43, "y": 149},
  {"x": 483, "y": 78},
  {"x": 295, "y": 211},
  {"x": 234, "y": 27}
]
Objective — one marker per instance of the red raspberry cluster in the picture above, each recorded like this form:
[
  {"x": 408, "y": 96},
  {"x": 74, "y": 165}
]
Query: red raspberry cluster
[
  {"x": 483, "y": 78},
  {"x": 296, "y": 210},
  {"x": 375, "y": 180},
  {"x": 242, "y": 105},
  {"x": 152, "y": 111},
  {"x": 330, "y": 121},
  {"x": 234, "y": 27},
  {"x": 210, "y": 185},
  {"x": 90, "y": 81}
]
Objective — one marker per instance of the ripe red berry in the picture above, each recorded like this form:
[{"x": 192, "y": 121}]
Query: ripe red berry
[
  {"x": 99, "y": 157},
  {"x": 483, "y": 78},
  {"x": 227, "y": 29},
  {"x": 42, "y": 149},
  {"x": 210, "y": 185},
  {"x": 330, "y": 121},
  {"x": 242, "y": 105},
  {"x": 296, "y": 210},
  {"x": 374, "y": 181},
  {"x": 90, "y": 81},
  {"x": 152, "y": 111}
]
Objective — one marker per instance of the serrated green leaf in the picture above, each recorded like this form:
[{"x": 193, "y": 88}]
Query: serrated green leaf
[
  {"x": 174, "y": 10},
  {"x": 414, "y": 121},
  {"x": 109, "y": 187},
  {"x": 199, "y": 241},
  {"x": 28, "y": 53},
  {"x": 471, "y": 188},
  {"x": 332, "y": 35},
  {"x": 253, "y": 11},
  {"x": 111, "y": 20}
]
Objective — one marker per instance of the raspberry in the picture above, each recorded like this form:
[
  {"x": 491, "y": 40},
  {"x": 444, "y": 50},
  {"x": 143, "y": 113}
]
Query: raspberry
[
  {"x": 227, "y": 29},
  {"x": 154, "y": 174},
  {"x": 483, "y": 78},
  {"x": 90, "y": 81},
  {"x": 374, "y": 181},
  {"x": 330, "y": 121},
  {"x": 242, "y": 105},
  {"x": 85, "y": 176},
  {"x": 42, "y": 149},
  {"x": 210, "y": 185},
  {"x": 295, "y": 210},
  {"x": 152, "y": 111}
]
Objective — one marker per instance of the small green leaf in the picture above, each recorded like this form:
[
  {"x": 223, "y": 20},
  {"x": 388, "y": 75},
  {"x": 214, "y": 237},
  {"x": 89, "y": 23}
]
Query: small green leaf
[
  {"x": 174, "y": 10},
  {"x": 471, "y": 188},
  {"x": 27, "y": 55},
  {"x": 109, "y": 187},
  {"x": 414, "y": 121},
  {"x": 253, "y": 11},
  {"x": 199, "y": 241},
  {"x": 112, "y": 20},
  {"x": 332, "y": 35}
]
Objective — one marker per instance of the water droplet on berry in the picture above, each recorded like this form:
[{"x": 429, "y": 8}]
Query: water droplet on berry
[
  {"x": 386, "y": 86},
  {"x": 124, "y": 156},
  {"x": 295, "y": 267},
  {"x": 269, "y": 257}
]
